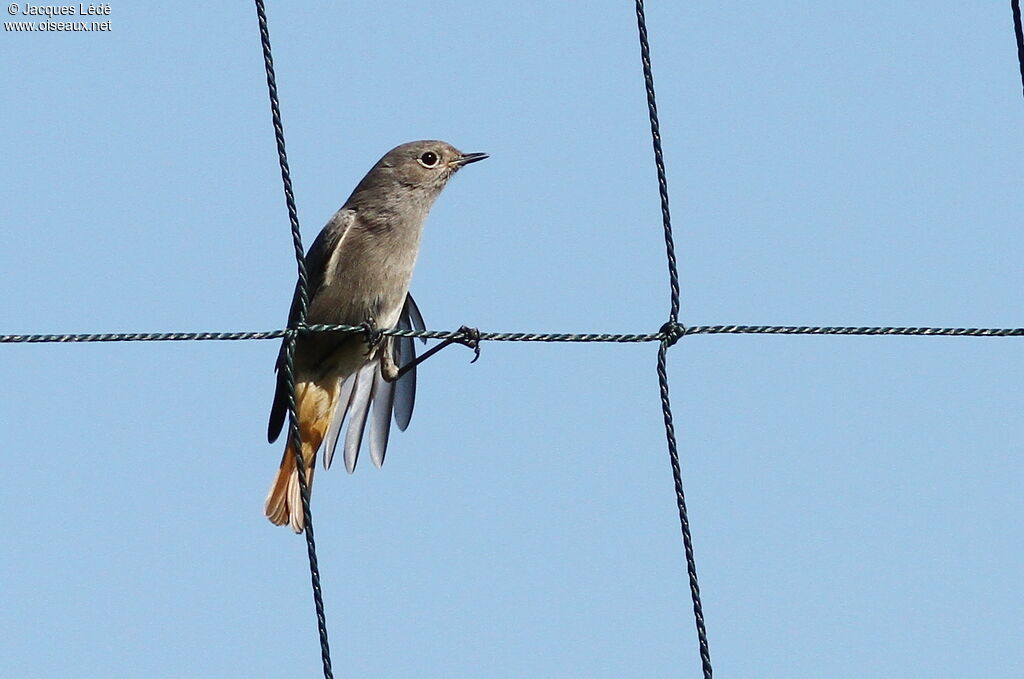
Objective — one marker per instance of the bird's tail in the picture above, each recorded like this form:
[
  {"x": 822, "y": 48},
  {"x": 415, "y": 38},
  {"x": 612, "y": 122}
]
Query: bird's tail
[{"x": 284, "y": 501}]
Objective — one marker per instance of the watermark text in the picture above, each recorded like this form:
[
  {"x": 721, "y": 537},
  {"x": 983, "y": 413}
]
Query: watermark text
[{"x": 80, "y": 18}]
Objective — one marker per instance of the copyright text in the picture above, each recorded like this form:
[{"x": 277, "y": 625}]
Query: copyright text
[{"x": 54, "y": 17}]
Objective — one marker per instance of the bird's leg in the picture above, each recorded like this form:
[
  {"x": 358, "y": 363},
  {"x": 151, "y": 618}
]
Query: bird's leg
[
  {"x": 388, "y": 368},
  {"x": 466, "y": 336}
]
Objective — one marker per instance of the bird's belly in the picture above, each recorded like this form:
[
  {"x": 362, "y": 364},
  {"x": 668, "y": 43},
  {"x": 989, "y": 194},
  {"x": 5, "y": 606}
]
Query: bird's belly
[
  {"x": 325, "y": 356},
  {"x": 356, "y": 304},
  {"x": 338, "y": 354}
]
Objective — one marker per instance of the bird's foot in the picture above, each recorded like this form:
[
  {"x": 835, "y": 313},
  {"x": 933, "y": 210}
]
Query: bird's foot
[
  {"x": 371, "y": 332},
  {"x": 470, "y": 337},
  {"x": 466, "y": 336}
]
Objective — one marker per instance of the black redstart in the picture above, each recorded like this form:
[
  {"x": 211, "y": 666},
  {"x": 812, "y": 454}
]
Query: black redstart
[{"x": 358, "y": 270}]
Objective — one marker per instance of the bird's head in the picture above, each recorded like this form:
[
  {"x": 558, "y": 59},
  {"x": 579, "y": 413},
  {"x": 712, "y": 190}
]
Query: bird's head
[{"x": 425, "y": 164}]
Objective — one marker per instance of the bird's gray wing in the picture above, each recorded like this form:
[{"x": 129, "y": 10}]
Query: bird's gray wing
[
  {"x": 394, "y": 398},
  {"x": 380, "y": 422},
  {"x": 405, "y": 353},
  {"x": 318, "y": 257},
  {"x": 414, "y": 315},
  {"x": 362, "y": 394},
  {"x": 368, "y": 387},
  {"x": 316, "y": 261},
  {"x": 338, "y": 417}
]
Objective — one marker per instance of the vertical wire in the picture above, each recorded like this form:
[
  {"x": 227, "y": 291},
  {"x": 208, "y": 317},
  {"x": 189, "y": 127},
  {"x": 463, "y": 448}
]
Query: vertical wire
[
  {"x": 671, "y": 332},
  {"x": 292, "y": 337}
]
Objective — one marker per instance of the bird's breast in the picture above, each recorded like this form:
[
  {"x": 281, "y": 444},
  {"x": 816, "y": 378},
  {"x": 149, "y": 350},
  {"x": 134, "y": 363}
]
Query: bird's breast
[{"x": 368, "y": 277}]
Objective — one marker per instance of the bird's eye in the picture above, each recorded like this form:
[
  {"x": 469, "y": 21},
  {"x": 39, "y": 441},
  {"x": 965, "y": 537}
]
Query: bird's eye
[{"x": 429, "y": 159}]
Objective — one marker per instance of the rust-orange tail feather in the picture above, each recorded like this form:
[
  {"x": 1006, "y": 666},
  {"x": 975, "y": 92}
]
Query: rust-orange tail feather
[{"x": 284, "y": 501}]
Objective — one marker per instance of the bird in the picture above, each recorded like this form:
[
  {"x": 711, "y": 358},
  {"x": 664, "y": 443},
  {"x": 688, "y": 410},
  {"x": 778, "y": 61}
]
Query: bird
[{"x": 358, "y": 271}]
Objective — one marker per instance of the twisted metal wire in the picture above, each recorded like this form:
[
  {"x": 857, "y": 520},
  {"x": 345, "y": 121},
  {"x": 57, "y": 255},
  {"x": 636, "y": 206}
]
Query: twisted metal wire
[
  {"x": 141, "y": 337},
  {"x": 671, "y": 332},
  {"x": 1019, "y": 34},
  {"x": 850, "y": 330},
  {"x": 668, "y": 333},
  {"x": 659, "y": 163},
  {"x": 684, "y": 519},
  {"x": 291, "y": 339}
]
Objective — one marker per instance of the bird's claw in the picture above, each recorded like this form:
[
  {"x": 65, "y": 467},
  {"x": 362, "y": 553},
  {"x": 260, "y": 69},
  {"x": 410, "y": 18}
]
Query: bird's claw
[
  {"x": 469, "y": 337},
  {"x": 371, "y": 332}
]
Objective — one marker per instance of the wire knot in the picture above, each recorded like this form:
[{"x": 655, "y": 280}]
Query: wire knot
[{"x": 671, "y": 332}]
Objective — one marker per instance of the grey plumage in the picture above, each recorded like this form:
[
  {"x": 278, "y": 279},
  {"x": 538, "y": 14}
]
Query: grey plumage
[
  {"x": 358, "y": 270},
  {"x": 405, "y": 390}
]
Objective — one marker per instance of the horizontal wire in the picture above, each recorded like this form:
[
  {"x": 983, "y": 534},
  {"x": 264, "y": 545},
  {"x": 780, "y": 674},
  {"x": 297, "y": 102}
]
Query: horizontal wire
[
  {"x": 849, "y": 330},
  {"x": 143, "y": 337},
  {"x": 627, "y": 338}
]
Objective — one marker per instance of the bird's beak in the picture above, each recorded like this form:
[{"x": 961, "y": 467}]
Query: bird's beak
[{"x": 467, "y": 158}]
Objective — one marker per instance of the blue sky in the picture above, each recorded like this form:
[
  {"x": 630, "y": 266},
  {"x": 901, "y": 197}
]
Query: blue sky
[{"x": 855, "y": 502}]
